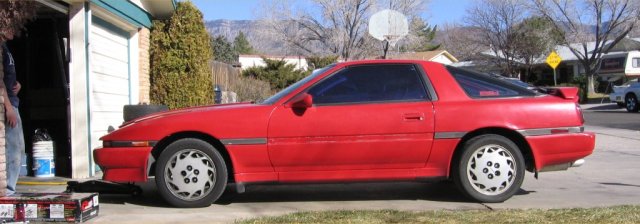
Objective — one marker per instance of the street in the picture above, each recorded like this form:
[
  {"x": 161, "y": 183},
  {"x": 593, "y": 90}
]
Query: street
[{"x": 609, "y": 177}]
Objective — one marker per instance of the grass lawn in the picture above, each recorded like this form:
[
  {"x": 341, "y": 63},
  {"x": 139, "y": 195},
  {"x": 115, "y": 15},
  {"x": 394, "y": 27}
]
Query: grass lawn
[{"x": 617, "y": 214}]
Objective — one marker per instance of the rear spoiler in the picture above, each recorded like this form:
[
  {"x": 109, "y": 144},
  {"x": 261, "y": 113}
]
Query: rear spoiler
[{"x": 569, "y": 93}]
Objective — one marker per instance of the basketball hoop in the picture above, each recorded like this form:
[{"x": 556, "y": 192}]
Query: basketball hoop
[{"x": 388, "y": 26}]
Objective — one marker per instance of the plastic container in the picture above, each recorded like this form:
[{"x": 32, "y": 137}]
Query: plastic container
[{"x": 43, "y": 159}]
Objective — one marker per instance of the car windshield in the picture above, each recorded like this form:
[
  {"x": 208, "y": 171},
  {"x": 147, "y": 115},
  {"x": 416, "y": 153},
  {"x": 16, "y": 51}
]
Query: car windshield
[{"x": 286, "y": 91}]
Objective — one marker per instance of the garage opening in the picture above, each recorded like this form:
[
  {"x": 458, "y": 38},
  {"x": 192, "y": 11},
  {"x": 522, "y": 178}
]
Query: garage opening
[{"x": 42, "y": 66}]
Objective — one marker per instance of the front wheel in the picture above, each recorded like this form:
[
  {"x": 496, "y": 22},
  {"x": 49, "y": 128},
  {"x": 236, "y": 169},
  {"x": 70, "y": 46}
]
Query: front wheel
[
  {"x": 190, "y": 173},
  {"x": 490, "y": 169},
  {"x": 632, "y": 103}
]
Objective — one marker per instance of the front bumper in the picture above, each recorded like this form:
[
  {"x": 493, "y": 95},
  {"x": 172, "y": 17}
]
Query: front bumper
[
  {"x": 123, "y": 164},
  {"x": 550, "y": 150}
]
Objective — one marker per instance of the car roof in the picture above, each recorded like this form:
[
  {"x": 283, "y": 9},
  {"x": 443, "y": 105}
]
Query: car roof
[{"x": 386, "y": 61}]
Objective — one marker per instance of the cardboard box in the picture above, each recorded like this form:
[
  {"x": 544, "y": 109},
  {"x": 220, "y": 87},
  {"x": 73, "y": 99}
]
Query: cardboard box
[{"x": 49, "y": 207}]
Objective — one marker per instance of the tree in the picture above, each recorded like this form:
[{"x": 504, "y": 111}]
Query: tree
[
  {"x": 223, "y": 51},
  {"x": 180, "y": 54},
  {"x": 277, "y": 73},
  {"x": 496, "y": 20},
  {"x": 242, "y": 45},
  {"x": 14, "y": 14},
  {"x": 461, "y": 41},
  {"x": 338, "y": 27},
  {"x": 535, "y": 38},
  {"x": 597, "y": 23},
  {"x": 425, "y": 35}
]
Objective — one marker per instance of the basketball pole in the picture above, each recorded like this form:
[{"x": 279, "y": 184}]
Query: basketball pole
[{"x": 385, "y": 48}]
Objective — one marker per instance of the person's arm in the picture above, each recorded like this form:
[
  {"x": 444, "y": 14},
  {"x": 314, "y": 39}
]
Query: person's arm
[{"x": 11, "y": 117}]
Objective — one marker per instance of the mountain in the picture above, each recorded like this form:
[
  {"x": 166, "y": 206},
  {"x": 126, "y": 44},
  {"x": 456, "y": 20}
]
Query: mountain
[{"x": 255, "y": 32}]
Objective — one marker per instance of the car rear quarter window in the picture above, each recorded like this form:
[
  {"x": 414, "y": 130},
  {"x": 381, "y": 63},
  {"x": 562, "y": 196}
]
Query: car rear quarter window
[
  {"x": 478, "y": 85},
  {"x": 371, "y": 83}
]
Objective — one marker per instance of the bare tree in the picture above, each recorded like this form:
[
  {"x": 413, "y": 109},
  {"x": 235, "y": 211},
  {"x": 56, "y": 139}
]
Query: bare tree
[
  {"x": 337, "y": 27},
  {"x": 610, "y": 21},
  {"x": 462, "y": 42},
  {"x": 496, "y": 21}
]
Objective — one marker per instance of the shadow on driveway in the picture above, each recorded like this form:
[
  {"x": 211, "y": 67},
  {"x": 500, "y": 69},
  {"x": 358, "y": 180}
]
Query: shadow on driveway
[{"x": 436, "y": 191}]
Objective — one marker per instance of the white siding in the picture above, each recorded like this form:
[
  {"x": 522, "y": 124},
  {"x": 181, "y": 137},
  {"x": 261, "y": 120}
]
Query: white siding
[{"x": 110, "y": 84}]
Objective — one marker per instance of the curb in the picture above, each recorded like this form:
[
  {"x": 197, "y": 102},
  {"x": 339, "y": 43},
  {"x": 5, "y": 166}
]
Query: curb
[{"x": 41, "y": 183}]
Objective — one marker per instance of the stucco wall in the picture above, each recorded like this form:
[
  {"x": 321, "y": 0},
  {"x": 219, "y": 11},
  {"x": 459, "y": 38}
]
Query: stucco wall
[{"x": 145, "y": 84}]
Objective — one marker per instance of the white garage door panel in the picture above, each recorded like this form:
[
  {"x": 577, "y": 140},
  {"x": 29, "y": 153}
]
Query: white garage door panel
[
  {"x": 120, "y": 86},
  {"x": 108, "y": 66},
  {"x": 105, "y": 34},
  {"x": 107, "y": 102}
]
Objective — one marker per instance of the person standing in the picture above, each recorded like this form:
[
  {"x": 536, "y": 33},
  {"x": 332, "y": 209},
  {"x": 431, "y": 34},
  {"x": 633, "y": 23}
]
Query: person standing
[{"x": 14, "y": 137}]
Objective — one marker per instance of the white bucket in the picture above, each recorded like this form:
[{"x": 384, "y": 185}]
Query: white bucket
[{"x": 43, "y": 160}]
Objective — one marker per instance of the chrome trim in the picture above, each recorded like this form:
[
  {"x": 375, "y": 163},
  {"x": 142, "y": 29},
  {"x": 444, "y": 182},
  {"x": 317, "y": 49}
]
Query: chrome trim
[
  {"x": 449, "y": 135},
  {"x": 244, "y": 141},
  {"x": 547, "y": 131}
]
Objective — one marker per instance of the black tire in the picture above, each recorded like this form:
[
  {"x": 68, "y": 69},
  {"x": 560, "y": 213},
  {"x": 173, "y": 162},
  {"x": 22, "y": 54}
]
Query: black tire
[
  {"x": 476, "y": 168},
  {"x": 631, "y": 102},
  {"x": 131, "y": 112},
  {"x": 191, "y": 173}
]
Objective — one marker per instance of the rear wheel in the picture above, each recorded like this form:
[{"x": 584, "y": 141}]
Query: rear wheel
[
  {"x": 190, "y": 173},
  {"x": 632, "y": 103},
  {"x": 490, "y": 169}
]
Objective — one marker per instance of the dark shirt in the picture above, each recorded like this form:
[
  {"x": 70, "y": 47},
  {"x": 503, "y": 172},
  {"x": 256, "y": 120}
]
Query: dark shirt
[{"x": 9, "y": 67}]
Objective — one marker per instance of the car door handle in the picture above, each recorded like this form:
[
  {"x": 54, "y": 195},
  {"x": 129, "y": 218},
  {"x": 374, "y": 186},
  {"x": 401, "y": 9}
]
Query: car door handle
[{"x": 413, "y": 117}]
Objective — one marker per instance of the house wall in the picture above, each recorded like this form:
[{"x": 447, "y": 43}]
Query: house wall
[
  {"x": 442, "y": 59},
  {"x": 247, "y": 61},
  {"x": 144, "y": 69}
]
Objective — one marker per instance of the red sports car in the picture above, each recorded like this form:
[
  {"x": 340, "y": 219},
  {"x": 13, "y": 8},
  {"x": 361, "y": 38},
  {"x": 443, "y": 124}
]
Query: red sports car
[{"x": 379, "y": 120}]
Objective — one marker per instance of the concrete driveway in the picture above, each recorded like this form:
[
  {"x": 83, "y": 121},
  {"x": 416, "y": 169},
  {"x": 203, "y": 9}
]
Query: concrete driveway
[{"x": 609, "y": 177}]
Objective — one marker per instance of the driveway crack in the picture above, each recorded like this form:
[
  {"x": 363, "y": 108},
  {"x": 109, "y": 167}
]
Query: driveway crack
[{"x": 487, "y": 206}]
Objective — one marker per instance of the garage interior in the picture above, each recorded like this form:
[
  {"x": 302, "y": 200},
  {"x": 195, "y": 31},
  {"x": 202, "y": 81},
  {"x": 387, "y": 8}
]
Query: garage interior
[{"x": 41, "y": 55}]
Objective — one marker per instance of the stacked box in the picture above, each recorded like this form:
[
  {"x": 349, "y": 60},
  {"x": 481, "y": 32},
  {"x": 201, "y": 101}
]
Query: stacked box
[{"x": 49, "y": 207}]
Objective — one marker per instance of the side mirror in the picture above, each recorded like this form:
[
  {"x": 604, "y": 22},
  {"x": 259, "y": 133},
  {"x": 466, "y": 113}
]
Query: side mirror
[{"x": 301, "y": 101}]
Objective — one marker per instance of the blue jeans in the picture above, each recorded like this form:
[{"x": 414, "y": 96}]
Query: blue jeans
[{"x": 14, "y": 152}]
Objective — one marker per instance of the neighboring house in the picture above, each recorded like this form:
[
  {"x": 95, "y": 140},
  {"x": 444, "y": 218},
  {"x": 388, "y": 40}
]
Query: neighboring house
[
  {"x": 247, "y": 61},
  {"x": 621, "y": 61},
  {"x": 441, "y": 56},
  {"x": 80, "y": 63}
]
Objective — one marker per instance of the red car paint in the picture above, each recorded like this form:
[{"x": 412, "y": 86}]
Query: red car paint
[{"x": 357, "y": 142}]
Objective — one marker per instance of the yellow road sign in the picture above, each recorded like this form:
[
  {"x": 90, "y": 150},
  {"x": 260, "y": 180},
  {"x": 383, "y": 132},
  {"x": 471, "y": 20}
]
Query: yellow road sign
[{"x": 554, "y": 60}]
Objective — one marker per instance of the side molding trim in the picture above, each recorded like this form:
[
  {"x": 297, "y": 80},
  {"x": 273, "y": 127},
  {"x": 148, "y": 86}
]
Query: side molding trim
[{"x": 244, "y": 141}]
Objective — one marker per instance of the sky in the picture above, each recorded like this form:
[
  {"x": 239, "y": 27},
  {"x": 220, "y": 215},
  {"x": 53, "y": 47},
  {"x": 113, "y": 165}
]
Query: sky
[{"x": 438, "y": 11}]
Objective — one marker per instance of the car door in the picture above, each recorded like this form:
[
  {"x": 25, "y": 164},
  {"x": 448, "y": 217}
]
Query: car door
[{"x": 363, "y": 117}]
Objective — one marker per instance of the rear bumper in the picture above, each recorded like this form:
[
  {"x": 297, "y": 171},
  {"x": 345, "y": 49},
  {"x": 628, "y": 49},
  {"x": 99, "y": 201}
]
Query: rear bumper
[
  {"x": 123, "y": 164},
  {"x": 616, "y": 97},
  {"x": 549, "y": 150}
]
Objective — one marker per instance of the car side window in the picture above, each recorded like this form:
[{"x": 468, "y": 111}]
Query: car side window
[
  {"x": 478, "y": 85},
  {"x": 371, "y": 83}
]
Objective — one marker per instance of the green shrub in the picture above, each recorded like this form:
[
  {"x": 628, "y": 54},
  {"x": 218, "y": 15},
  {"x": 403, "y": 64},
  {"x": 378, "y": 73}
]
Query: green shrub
[
  {"x": 277, "y": 73},
  {"x": 180, "y": 53},
  {"x": 581, "y": 82},
  {"x": 315, "y": 62}
]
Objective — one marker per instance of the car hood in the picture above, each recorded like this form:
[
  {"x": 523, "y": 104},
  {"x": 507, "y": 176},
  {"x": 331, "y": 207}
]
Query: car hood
[{"x": 191, "y": 110}]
